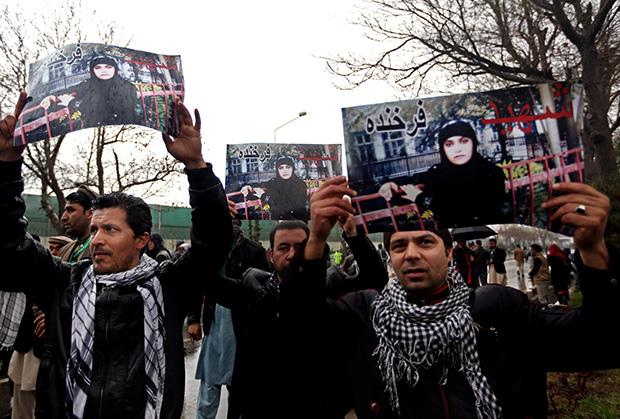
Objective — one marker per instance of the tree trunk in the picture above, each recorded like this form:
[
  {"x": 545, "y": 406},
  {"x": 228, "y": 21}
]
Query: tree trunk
[{"x": 599, "y": 152}]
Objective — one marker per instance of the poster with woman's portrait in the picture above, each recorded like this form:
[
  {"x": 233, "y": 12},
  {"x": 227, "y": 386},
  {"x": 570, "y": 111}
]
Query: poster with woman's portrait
[
  {"x": 92, "y": 85},
  {"x": 275, "y": 181},
  {"x": 463, "y": 160}
]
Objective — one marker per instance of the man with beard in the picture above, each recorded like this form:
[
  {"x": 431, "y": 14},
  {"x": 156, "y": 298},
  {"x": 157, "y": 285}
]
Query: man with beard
[
  {"x": 115, "y": 321},
  {"x": 429, "y": 347}
]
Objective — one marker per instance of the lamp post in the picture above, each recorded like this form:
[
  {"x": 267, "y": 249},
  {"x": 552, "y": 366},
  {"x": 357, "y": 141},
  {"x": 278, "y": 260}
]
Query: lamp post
[{"x": 302, "y": 113}]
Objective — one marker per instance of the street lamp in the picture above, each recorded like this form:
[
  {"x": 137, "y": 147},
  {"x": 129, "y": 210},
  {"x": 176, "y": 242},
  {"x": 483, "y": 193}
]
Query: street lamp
[{"x": 302, "y": 113}]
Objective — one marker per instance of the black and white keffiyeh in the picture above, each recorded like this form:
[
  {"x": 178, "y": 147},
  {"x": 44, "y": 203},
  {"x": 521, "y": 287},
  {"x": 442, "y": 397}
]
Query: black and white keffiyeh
[
  {"x": 412, "y": 339},
  {"x": 273, "y": 285},
  {"x": 12, "y": 309},
  {"x": 83, "y": 329}
]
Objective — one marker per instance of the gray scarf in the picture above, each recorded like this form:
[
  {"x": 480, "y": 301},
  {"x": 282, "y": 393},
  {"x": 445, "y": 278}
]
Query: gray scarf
[
  {"x": 83, "y": 327},
  {"x": 413, "y": 339}
]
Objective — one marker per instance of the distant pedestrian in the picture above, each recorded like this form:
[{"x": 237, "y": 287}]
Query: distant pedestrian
[
  {"x": 519, "y": 256},
  {"x": 540, "y": 275},
  {"x": 560, "y": 273},
  {"x": 156, "y": 249},
  {"x": 481, "y": 260},
  {"x": 497, "y": 268}
]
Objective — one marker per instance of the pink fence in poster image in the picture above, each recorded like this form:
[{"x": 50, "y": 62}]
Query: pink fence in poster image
[
  {"x": 255, "y": 203},
  {"x": 389, "y": 212},
  {"x": 150, "y": 90},
  {"x": 512, "y": 184},
  {"x": 548, "y": 175},
  {"x": 20, "y": 133}
]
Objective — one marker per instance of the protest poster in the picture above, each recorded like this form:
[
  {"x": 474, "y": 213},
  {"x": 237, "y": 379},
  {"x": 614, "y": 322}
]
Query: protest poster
[
  {"x": 90, "y": 85},
  {"x": 463, "y": 160},
  {"x": 275, "y": 181}
]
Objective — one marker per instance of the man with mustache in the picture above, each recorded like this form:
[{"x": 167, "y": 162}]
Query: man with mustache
[
  {"x": 428, "y": 347},
  {"x": 115, "y": 322}
]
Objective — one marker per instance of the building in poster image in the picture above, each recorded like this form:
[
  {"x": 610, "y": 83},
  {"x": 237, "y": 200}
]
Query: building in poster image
[
  {"x": 91, "y": 85},
  {"x": 275, "y": 181},
  {"x": 463, "y": 160}
]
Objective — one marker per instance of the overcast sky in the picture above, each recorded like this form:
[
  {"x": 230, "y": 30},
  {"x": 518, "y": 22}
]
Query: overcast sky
[{"x": 251, "y": 66}]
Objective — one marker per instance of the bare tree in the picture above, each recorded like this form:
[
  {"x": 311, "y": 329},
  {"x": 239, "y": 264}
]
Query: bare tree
[
  {"x": 495, "y": 43},
  {"x": 114, "y": 158}
]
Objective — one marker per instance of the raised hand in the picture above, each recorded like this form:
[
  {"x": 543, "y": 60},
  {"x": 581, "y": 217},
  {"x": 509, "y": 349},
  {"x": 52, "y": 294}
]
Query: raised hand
[
  {"x": 194, "y": 331},
  {"x": 232, "y": 209},
  {"x": 387, "y": 190},
  {"x": 348, "y": 225},
  {"x": 187, "y": 147},
  {"x": 327, "y": 206},
  {"x": 7, "y": 128},
  {"x": 588, "y": 210}
]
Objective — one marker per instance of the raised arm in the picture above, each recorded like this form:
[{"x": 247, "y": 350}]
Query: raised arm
[
  {"x": 578, "y": 339},
  {"x": 327, "y": 206},
  {"x": 372, "y": 272},
  {"x": 12, "y": 206},
  {"x": 31, "y": 260},
  {"x": 211, "y": 233}
]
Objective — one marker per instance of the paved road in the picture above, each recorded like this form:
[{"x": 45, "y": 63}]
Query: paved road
[{"x": 191, "y": 385}]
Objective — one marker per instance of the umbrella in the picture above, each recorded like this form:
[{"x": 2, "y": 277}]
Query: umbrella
[{"x": 471, "y": 233}]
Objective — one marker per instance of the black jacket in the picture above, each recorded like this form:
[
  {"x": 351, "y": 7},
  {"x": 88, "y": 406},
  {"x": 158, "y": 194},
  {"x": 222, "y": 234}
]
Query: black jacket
[
  {"x": 118, "y": 379},
  {"x": 244, "y": 254},
  {"x": 509, "y": 327},
  {"x": 272, "y": 327}
]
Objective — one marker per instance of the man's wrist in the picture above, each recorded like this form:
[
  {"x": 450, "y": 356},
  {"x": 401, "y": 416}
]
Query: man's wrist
[
  {"x": 595, "y": 257},
  {"x": 195, "y": 164},
  {"x": 314, "y": 248},
  {"x": 10, "y": 156}
]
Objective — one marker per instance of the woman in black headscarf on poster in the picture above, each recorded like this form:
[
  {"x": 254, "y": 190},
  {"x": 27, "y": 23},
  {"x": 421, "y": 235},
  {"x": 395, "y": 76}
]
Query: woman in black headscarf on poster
[
  {"x": 286, "y": 194},
  {"x": 464, "y": 189},
  {"x": 104, "y": 99}
]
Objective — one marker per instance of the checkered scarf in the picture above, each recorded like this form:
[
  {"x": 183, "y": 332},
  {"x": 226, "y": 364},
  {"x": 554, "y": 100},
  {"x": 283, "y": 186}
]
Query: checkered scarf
[
  {"x": 12, "y": 309},
  {"x": 413, "y": 339},
  {"x": 273, "y": 285},
  {"x": 83, "y": 329}
]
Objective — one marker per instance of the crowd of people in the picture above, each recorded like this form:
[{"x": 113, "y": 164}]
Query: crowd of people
[
  {"x": 550, "y": 273},
  {"x": 288, "y": 330}
]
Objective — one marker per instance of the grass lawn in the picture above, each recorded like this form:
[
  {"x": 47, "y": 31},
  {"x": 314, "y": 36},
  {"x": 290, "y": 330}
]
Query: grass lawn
[{"x": 584, "y": 395}]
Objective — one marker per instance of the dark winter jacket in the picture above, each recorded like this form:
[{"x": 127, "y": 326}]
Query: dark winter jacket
[
  {"x": 498, "y": 258},
  {"x": 244, "y": 254},
  {"x": 508, "y": 327},
  {"x": 371, "y": 269},
  {"x": 272, "y": 327},
  {"x": 118, "y": 379}
]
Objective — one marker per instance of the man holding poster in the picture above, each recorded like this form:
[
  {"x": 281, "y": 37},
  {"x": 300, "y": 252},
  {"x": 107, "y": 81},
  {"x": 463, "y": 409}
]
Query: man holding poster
[
  {"x": 115, "y": 322},
  {"x": 429, "y": 347}
]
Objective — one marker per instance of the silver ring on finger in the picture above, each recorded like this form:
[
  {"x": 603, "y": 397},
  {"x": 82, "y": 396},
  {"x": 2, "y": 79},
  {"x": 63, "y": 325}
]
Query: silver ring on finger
[{"x": 581, "y": 209}]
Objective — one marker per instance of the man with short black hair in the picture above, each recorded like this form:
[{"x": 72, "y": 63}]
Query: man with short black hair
[
  {"x": 76, "y": 220},
  {"x": 254, "y": 300},
  {"x": 115, "y": 322},
  {"x": 269, "y": 377},
  {"x": 429, "y": 347}
]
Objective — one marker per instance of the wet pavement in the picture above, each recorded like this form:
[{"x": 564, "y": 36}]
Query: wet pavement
[{"x": 192, "y": 385}]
